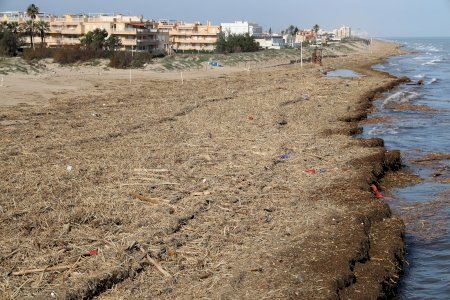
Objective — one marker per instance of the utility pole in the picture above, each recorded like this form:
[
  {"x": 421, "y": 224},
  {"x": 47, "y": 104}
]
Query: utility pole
[
  {"x": 132, "y": 56},
  {"x": 301, "y": 54}
]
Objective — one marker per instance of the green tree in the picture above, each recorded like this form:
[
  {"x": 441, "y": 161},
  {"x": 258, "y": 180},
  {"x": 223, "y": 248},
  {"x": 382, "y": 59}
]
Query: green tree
[
  {"x": 236, "y": 43},
  {"x": 14, "y": 27},
  {"x": 270, "y": 30},
  {"x": 28, "y": 29},
  {"x": 95, "y": 39},
  {"x": 290, "y": 29},
  {"x": 3, "y": 25},
  {"x": 9, "y": 42},
  {"x": 32, "y": 12},
  {"x": 316, "y": 28},
  {"x": 42, "y": 27},
  {"x": 113, "y": 43}
]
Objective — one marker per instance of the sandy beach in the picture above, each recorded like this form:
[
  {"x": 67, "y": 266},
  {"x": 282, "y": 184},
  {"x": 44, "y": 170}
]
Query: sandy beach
[{"x": 246, "y": 184}]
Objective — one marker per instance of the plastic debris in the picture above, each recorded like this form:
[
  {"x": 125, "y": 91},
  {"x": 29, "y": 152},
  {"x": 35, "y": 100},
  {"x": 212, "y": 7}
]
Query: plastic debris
[
  {"x": 69, "y": 168},
  {"x": 311, "y": 171},
  {"x": 376, "y": 192},
  {"x": 214, "y": 64},
  {"x": 285, "y": 156},
  {"x": 93, "y": 252}
]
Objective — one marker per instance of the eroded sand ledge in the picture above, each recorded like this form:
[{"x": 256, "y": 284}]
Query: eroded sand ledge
[{"x": 207, "y": 177}]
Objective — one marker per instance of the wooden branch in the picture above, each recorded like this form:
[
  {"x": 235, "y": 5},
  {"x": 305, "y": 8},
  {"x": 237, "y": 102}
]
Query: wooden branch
[{"x": 156, "y": 264}]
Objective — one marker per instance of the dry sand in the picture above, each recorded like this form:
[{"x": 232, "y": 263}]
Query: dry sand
[{"x": 199, "y": 190}]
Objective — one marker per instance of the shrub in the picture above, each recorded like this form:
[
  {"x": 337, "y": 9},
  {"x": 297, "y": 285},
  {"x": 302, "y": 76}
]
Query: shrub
[
  {"x": 124, "y": 59},
  {"x": 120, "y": 60},
  {"x": 70, "y": 55},
  {"x": 38, "y": 53},
  {"x": 140, "y": 59},
  {"x": 9, "y": 43},
  {"x": 236, "y": 43}
]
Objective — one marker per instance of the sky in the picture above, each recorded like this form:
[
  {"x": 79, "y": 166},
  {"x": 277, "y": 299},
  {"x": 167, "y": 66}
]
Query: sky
[{"x": 380, "y": 18}]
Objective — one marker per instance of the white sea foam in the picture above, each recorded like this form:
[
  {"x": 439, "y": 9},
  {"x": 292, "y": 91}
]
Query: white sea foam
[
  {"x": 380, "y": 129},
  {"x": 419, "y": 76},
  {"x": 400, "y": 97},
  {"x": 433, "y": 80},
  {"x": 431, "y": 62}
]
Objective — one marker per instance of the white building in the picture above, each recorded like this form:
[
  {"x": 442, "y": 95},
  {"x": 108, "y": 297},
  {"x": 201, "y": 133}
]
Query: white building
[
  {"x": 240, "y": 27},
  {"x": 271, "y": 42},
  {"x": 343, "y": 32}
]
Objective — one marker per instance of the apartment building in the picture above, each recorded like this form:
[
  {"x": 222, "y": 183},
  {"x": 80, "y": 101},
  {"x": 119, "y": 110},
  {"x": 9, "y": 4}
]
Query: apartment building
[
  {"x": 134, "y": 32},
  {"x": 343, "y": 32},
  {"x": 190, "y": 36},
  {"x": 240, "y": 27}
]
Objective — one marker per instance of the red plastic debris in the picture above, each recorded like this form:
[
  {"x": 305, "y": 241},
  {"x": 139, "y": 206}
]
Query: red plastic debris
[
  {"x": 376, "y": 192},
  {"x": 93, "y": 252},
  {"x": 311, "y": 171}
]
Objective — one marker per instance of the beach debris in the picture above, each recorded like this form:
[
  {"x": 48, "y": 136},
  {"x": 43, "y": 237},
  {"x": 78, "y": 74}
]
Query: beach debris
[
  {"x": 282, "y": 122},
  {"x": 199, "y": 194},
  {"x": 214, "y": 64},
  {"x": 156, "y": 264},
  {"x": 376, "y": 192},
  {"x": 285, "y": 156},
  {"x": 311, "y": 171},
  {"x": 69, "y": 168},
  {"x": 97, "y": 115},
  {"x": 250, "y": 117},
  {"x": 93, "y": 252}
]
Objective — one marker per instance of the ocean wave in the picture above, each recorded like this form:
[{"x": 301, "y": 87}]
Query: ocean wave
[
  {"x": 400, "y": 97},
  {"x": 427, "y": 48},
  {"x": 420, "y": 76},
  {"x": 380, "y": 129},
  {"x": 433, "y": 80},
  {"x": 432, "y": 62}
]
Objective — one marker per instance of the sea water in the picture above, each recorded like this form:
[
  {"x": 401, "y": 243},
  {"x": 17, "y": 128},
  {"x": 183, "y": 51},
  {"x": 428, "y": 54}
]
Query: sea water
[{"x": 418, "y": 123}]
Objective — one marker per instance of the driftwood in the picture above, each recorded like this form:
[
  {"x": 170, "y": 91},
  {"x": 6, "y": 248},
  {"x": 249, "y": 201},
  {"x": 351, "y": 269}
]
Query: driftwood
[{"x": 156, "y": 264}]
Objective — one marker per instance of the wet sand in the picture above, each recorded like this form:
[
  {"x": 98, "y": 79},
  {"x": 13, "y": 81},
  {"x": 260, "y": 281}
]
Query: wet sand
[{"x": 243, "y": 185}]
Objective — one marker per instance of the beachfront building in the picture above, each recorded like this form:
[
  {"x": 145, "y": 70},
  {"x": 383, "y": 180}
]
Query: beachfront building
[
  {"x": 240, "y": 27},
  {"x": 134, "y": 32},
  {"x": 306, "y": 35},
  {"x": 343, "y": 32},
  {"x": 190, "y": 36},
  {"x": 271, "y": 42}
]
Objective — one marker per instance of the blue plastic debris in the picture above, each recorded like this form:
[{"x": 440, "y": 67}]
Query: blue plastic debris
[
  {"x": 285, "y": 156},
  {"x": 214, "y": 64}
]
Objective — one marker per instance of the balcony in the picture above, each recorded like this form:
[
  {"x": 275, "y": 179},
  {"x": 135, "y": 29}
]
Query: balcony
[
  {"x": 129, "y": 31},
  {"x": 71, "y": 31},
  {"x": 195, "y": 41},
  {"x": 128, "y": 42},
  {"x": 147, "y": 42}
]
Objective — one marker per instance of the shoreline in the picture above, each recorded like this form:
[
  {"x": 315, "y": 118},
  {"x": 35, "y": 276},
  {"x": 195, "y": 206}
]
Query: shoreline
[{"x": 335, "y": 238}]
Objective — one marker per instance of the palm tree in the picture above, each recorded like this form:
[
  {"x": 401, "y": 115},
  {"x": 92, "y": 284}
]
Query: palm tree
[
  {"x": 14, "y": 27},
  {"x": 32, "y": 12},
  {"x": 28, "y": 28},
  {"x": 316, "y": 28},
  {"x": 3, "y": 25},
  {"x": 42, "y": 27}
]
